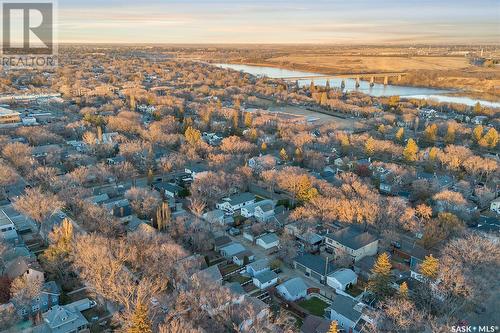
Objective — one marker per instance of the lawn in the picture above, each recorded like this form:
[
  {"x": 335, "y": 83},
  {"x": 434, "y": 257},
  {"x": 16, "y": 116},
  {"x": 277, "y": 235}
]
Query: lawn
[{"x": 314, "y": 306}]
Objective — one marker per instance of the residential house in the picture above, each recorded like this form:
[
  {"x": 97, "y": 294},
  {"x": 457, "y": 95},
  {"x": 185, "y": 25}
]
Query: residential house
[
  {"x": 218, "y": 216},
  {"x": 292, "y": 289},
  {"x": 196, "y": 171},
  {"x": 8, "y": 230},
  {"x": 264, "y": 162},
  {"x": 262, "y": 210},
  {"x": 268, "y": 241},
  {"x": 311, "y": 241},
  {"x": 118, "y": 207},
  {"x": 251, "y": 234},
  {"x": 221, "y": 241},
  {"x": 237, "y": 201},
  {"x": 211, "y": 274},
  {"x": 243, "y": 258},
  {"x": 412, "y": 253},
  {"x": 168, "y": 189},
  {"x": 363, "y": 267},
  {"x": 258, "y": 267},
  {"x": 63, "y": 319},
  {"x": 47, "y": 298},
  {"x": 22, "y": 267},
  {"x": 314, "y": 266},
  {"x": 346, "y": 311},
  {"x": 495, "y": 205},
  {"x": 265, "y": 279},
  {"x": 315, "y": 324},
  {"x": 116, "y": 160},
  {"x": 352, "y": 241},
  {"x": 238, "y": 253},
  {"x": 98, "y": 199},
  {"x": 342, "y": 279},
  {"x": 52, "y": 222}
]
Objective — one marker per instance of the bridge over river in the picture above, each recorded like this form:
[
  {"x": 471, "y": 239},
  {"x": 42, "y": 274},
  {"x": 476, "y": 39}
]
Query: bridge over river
[{"x": 356, "y": 76}]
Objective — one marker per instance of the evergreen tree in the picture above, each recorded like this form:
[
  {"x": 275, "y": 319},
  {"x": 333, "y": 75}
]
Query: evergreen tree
[
  {"x": 150, "y": 176},
  {"x": 324, "y": 98},
  {"x": 400, "y": 134},
  {"x": 248, "y": 119},
  {"x": 477, "y": 108},
  {"x": 403, "y": 290},
  {"x": 140, "y": 322},
  {"x": 370, "y": 146},
  {"x": 380, "y": 279},
  {"x": 312, "y": 88},
  {"x": 478, "y": 133},
  {"x": 333, "y": 327},
  {"x": 263, "y": 147},
  {"x": 192, "y": 135},
  {"x": 298, "y": 155},
  {"x": 283, "y": 154},
  {"x": 410, "y": 151},
  {"x": 429, "y": 267}
]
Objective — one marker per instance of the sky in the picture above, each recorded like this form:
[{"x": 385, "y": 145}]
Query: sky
[{"x": 291, "y": 21}]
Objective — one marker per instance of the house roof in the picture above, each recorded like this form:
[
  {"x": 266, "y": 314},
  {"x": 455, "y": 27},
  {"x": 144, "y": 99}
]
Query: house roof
[
  {"x": 310, "y": 237},
  {"x": 346, "y": 307},
  {"x": 315, "y": 263},
  {"x": 344, "y": 275},
  {"x": 168, "y": 187},
  {"x": 295, "y": 286},
  {"x": 59, "y": 316},
  {"x": 352, "y": 237},
  {"x": 211, "y": 273},
  {"x": 266, "y": 276},
  {"x": 366, "y": 263},
  {"x": 214, "y": 214},
  {"x": 233, "y": 249},
  {"x": 222, "y": 240},
  {"x": 259, "y": 265},
  {"x": 314, "y": 324},
  {"x": 240, "y": 198},
  {"x": 19, "y": 266},
  {"x": 269, "y": 238}
]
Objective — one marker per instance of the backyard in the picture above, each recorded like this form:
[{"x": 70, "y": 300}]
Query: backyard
[{"x": 314, "y": 306}]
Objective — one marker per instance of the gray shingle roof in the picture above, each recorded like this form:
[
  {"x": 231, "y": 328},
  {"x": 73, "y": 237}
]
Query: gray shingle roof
[
  {"x": 266, "y": 276},
  {"x": 352, "y": 237},
  {"x": 269, "y": 238},
  {"x": 345, "y": 306},
  {"x": 241, "y": 198},
  {"x": 294, "y": 286},
  {"x": 315, "y": 263}
]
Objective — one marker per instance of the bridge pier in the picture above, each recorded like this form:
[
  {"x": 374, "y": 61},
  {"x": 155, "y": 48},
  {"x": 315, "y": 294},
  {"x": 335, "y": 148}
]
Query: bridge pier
[
  {"x": 372, "y": 81},
  {"x": 386, "y": 80},
  {"x": 357, "y": 82}
]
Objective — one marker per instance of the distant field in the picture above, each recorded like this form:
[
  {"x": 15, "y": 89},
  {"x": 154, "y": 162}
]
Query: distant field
[{"x": 348, "y": 64}]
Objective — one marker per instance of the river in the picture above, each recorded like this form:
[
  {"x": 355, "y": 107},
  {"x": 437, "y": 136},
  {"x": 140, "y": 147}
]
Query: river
[{"x": 377, "y": 90}]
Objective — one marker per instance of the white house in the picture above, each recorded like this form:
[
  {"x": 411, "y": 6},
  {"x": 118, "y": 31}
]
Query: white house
[
  {"x": 214, "y": 216},
  {"x": 346, "y": 311},
  {"x": 196, "y": 171},
  {"x": 292, "y": 289},
  {"x": 237, "y": 201},
  {"x": 7, "y": 227},
  {"x": 268, "y": 241},
  {"x": 230, "y": 250},
  {"x": 265, "y": 279},
  {"x": 262, "y": 210},
  {"x": 353, "y": 241},
  {"x": 495, "y": 205},
  {"x": 243, "y": 258},
  {"x": 258, "y": 267},
  {"x": 342, "y": 279}
]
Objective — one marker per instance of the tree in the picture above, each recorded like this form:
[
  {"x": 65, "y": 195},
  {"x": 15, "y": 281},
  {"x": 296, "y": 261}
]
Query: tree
[
  {"x": 477, "y": 133},
  {"x": 37, "y": 204},
  {"x": 143, "y": 201},
  {"x": 333, "y": 327},
  {"x": 140, "y": 322},
  {"x": 324, "y": 98},
  {"x": 370, "y": 146},
  {"x": 430, "y": 133},
  {"x": 298, "y": 155},
  {"x": 403, "y": 290},
  {"x": 163, "y": 216},
  {"x": 433, "y": 153},
  {"x": 283, "y": 155},
  {"x": 478, "y": 108},
  {"x": 57, "y": 256},
  {"x": 263, "y": 147},
  {"x": 192, "y": 135},
  {"x": 429, "y": 267},
  {"x": 379, "y": 282},
  {"x": 248, "y": 119},
  {"x": 410, "y": 151},
  {"x": 490, "y": 139},
  {"x": 400, "y": 134}
]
